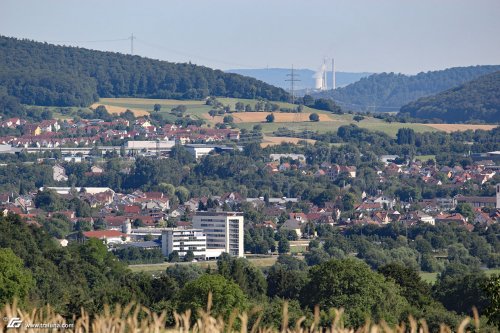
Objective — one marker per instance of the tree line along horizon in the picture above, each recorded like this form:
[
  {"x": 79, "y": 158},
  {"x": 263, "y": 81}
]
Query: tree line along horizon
[{"x": 34, "y": 73}]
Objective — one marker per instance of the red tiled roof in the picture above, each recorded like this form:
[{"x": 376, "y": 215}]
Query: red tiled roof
[{"x": 103, "y": 234}]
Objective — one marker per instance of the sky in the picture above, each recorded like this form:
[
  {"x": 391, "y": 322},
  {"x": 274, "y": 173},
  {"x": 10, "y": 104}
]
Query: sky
[{"x": 406, "y": 36}]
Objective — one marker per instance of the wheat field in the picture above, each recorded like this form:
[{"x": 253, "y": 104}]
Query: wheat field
[{"x": 139, "y": 319}]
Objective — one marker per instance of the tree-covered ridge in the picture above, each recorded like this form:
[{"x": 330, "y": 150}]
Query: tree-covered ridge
[
  {"x": 387, "y": 92},
  {"x": 478, "y": 100},
  {"x": 45, "y": 74}
]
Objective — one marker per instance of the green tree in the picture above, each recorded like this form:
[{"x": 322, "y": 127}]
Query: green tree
[
  {"x": 416, "y": 291},
  {"x": 351, "y": 284},
  {"x": 184, "y": 273},
  {"x": 285, "y": 283},
  {"x": 182, "y": 193},
  {"x": 157, "y": 107},
  {"x": 228, "y": 119},
  {"x": 173, "y": 256},
  {"x": 316, "y": 256},
  {"x": 460, "y": 292},
  {"x": 358, "y": 118},
  {"x": 226, "y": 295},
  {"x": 492, "y": 289},
  {"x": 283, "y": 245},
  {"x": 189, "y": 256},
  {"x": 168, "y": 189},
  {"x": 15, "y": 280},
  {"x": 314, "y": 117},
  {"x": 48, "y": 200},
  {"x": 239, "y": 106},
  {"x": 466, "y": 210},
  {"x": 270, "y": 118},
  {"x": 348, "y": 201},
  {"x": 248, "y": 277}
]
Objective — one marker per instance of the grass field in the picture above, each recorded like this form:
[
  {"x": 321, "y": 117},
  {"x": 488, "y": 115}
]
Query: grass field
[
  {"x": 431, "y": 277},
  {"x": 158, "y": 268},
  {"x": 292, "y": 121},
  {"x": 276, "y": 140},
  {"x": 425, "y": 158}
]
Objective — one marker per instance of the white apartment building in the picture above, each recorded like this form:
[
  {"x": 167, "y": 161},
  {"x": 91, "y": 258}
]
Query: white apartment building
[
  {"x": 183, "y": 240},
  {"x": 224, "y": 231}
]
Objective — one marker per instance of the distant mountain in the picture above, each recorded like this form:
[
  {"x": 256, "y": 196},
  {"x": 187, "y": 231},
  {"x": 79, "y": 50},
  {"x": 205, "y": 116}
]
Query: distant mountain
[
  {"x": 45, "y": 74},
  {"x": 277, "y": 77},
  {"x": 389, "y": 91},
  {"x": 477, "y": 100}
]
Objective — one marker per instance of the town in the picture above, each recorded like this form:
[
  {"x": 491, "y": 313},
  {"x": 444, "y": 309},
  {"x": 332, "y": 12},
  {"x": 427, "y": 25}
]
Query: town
[{"x": 172, "y": 222}]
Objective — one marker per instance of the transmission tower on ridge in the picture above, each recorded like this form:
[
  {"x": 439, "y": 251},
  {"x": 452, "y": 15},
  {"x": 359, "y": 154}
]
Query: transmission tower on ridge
[
  {"x": 292, "y": 79},
  {"x": 132, "y": 43}
]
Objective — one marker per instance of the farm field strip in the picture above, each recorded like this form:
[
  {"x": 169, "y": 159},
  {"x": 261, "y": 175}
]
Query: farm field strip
[
  {"x": 293, "y": 121},
  {"x": 460, "y": 127}
]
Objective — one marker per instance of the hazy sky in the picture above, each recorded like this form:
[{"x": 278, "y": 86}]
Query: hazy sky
[{"x": 406, "y": 36}]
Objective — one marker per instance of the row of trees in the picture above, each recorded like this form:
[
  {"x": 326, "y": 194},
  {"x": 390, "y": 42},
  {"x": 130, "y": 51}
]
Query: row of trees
[
  {"x": 387, "y": 92},
  {"x": 478, "y": 100},
  {"x": 87, "y": 275},
  {"x": 44, "y": 74}
]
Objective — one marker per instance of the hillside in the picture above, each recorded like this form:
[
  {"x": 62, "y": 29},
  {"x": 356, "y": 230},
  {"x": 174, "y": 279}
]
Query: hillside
[
  {"x": 45, "y": 74},
  {"x": 477, "y": 100},
  {"x": 387, "y": 92},
  {"x": 277, "y": 77}
]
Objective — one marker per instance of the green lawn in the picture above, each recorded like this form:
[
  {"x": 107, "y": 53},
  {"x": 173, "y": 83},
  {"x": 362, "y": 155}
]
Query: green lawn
[
  {"x": 431, "y": 277},
  {"x": 298, "y": 249},
  {"x": 425, "y": 158},
  {"x": 158, "y": 268}
]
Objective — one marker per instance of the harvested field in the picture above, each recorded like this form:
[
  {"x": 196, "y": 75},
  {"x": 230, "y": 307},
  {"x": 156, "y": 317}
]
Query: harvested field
[
  {"x": 279, "y": 117},
  {"x": 460, "y": 127},
  {"x": 149, "y": 101},
  {"x": 119, "y": 109},
  {"x": 276, "y": 140}
]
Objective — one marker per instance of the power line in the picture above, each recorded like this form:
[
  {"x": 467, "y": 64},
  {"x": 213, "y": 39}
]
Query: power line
[
  {"x": 190, "y": 55},
  {"x": 88, "y": 41}
]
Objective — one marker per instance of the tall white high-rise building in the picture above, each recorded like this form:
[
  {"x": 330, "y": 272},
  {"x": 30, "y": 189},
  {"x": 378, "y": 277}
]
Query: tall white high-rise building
[{"x": 224, "y": 231}]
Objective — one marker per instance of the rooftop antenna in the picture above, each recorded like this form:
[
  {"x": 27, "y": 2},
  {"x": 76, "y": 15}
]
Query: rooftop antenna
[
  {"x": 334, "y": 83},
  {"x": 292, "y": 79},
  {"x": 132, "y": 43}
]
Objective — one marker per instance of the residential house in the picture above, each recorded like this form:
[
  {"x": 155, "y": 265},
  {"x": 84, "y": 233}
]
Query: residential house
[
  {"x": 450, "y": 218},
  {"x": 294, "y": 225},
  {"x": 425, "y": 218},
  {"x": 96, "y": 169},
  {"x": 32, "y": 129},
  {"x": 59, "y": 173}
]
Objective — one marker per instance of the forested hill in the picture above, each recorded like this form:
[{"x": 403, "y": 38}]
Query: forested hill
[
  {"x": 478, "y": 100},
  {"x": 45, "y": 74},
  {"x": 387, "y": 92}
]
